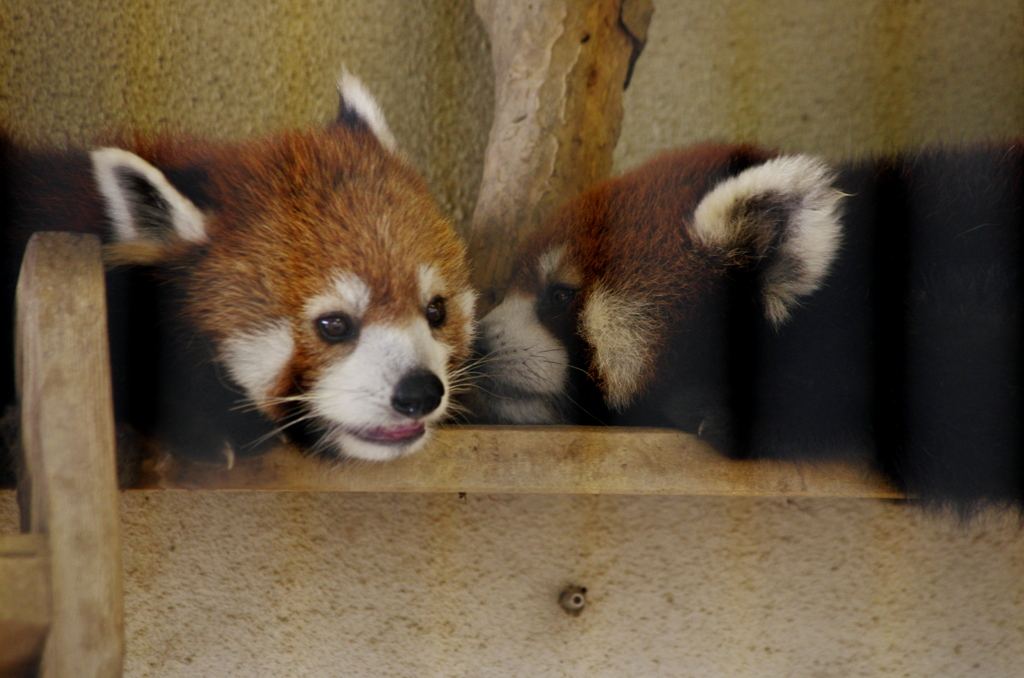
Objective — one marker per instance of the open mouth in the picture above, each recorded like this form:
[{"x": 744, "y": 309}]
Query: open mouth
[{"x": 392, "y": 435}]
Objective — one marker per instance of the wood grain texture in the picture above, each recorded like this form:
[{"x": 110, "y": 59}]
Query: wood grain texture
[
  {"x": 560, "y": 69},
  {"x": 67, "y": 429},
  {"x": 24, "y": 599},
  {"x": 539, "y": 460}
]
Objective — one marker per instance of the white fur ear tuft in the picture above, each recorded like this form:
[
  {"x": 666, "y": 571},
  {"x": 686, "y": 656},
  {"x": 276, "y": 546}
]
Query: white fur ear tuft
[
  {"x": 785, "y": 213},
  {"x": 357, "y": 101},
  {"x": 141, "y": 203},
  {"x": 622, "y": 333}
]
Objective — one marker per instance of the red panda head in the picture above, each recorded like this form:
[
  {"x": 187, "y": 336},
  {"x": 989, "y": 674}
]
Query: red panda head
[
  {"x": 335, "y": 294},
  {"x": 619, "y": 269}
]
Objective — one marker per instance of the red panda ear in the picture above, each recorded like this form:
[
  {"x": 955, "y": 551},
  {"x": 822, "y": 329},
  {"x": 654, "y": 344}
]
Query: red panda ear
[
  {"x": 358, "y": 109},
  {"x": 782, "y": 215},
  {"x": 623, "y": 332},
  {"x": 143, "y": 206}
]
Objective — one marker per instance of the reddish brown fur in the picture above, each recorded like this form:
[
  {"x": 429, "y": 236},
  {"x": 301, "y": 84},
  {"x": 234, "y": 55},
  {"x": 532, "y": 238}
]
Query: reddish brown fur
[
  {"x": 612, "y": 229},
  {"x": 290, "y": 212},
  {"x": 290, "y": 197}
]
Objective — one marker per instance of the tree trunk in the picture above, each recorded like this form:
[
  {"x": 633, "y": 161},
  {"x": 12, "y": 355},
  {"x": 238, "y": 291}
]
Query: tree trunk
[{"x": 560, "y": 67}]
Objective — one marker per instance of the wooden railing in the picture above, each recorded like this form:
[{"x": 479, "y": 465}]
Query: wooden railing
[
  {"x": 60, "y": 585},
  {"x": 534, "y": 460}
]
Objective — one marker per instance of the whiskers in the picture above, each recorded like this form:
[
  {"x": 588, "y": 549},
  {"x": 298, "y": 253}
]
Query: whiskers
[
  {"x": 505, "y": 376},
  {"x": 295, "y": 417}
]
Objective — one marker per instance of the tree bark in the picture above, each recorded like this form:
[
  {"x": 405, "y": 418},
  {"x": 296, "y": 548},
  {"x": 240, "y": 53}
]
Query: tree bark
[{"x": 560, "y": 67}]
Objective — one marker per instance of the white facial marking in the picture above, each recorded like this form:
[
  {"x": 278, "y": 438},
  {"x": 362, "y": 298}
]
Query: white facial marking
[
  {"x": 548, "y": 262},
  {"x": 525, "y": 412},
  {"x": 255, "y": 359},
  {"x": 621, "y": 331},
  {"x": 109, "y": 164},
  {"x": 551, "y": 267},
  {"x": 810, "y": 238},
  {"x": 357, "y": 98},
  {"x": 465, "y": 301},
  {"x": 354, "y": 394},
  {"x": 524, "y": 354},
  {"x": 347, "y": 292},
  {"x": 430, "y": 283}
]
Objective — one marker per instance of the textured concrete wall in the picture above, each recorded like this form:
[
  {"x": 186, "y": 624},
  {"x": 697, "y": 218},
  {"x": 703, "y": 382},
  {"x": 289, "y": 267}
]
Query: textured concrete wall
[
  {"x": 264, "y": 584},
  {"x": 70, "y": 70},
  {"x": 839, "y": 78}
]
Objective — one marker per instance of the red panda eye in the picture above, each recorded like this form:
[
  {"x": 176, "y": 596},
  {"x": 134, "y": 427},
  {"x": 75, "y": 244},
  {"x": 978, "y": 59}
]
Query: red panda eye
[
  {"x": 561, "y": 296},
  {"x": 335, "y": 328},
  {"x": 435, "y": 312}
]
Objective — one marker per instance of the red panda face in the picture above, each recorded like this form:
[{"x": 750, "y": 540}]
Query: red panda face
[
  {"x": 614, "y": 274},
  {"x": 335, "y": 293}
]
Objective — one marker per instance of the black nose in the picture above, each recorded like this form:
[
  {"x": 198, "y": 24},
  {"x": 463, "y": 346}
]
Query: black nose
[{"x": 418, "y": 393}]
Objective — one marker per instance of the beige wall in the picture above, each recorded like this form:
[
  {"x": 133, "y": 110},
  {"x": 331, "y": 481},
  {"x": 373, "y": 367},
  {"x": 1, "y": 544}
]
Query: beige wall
[
  {"x": 839, "y": 77},
  {"x": 835, "y": 77},
  {"x": 295, "y": 584},
  {"x": 71, "y": 70}
]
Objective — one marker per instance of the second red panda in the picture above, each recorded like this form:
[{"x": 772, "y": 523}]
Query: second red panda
[
  {"x": 305, "y": 283},
  {"x": 781, "y": 308}
]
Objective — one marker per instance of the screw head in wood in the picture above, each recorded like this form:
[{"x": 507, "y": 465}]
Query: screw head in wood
[{"x": 573, "y": 599}]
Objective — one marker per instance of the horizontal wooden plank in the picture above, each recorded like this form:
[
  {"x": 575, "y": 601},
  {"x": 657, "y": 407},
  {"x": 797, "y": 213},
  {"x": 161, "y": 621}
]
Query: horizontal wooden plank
[
  {"x": 539, "y": 460},
  {"x": 25, "y": 611}
]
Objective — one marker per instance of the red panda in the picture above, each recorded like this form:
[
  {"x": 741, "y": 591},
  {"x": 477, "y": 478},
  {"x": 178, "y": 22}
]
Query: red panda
[
  {"x": 781, "y": 308},
  {"x": 305, "y": 284}
]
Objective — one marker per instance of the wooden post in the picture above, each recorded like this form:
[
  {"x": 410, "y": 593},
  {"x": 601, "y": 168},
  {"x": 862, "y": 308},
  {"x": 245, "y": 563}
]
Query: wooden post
[
  {"x": 560, "y": 69},
  {"x": 67, "y": 427},
  {"x": 24, "y": 601}
]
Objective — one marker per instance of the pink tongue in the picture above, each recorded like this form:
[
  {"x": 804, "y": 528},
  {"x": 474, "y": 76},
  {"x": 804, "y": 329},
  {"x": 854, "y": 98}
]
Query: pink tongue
[{"x": 391, "y": 433}]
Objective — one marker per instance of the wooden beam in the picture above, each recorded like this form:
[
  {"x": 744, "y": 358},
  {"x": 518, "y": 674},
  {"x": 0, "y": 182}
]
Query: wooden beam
[
  {"x": 24, "y": 600},
  {"x": 67, "y": 428},
  {"x": 541, "y": 460},
  {"x": 560, "y": 68}
]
